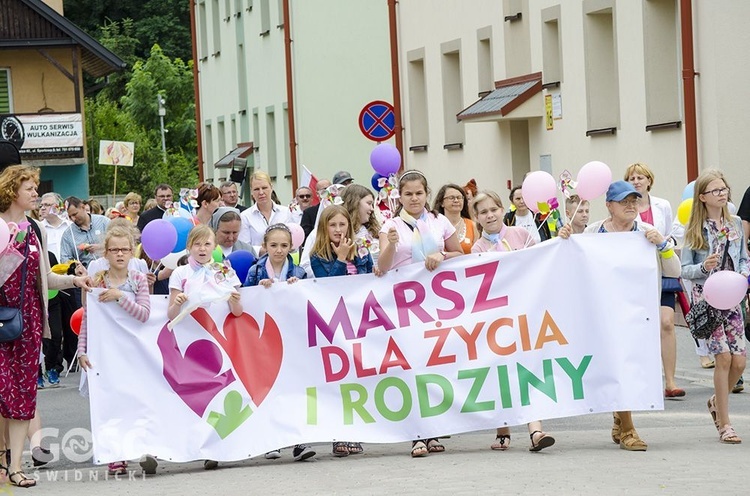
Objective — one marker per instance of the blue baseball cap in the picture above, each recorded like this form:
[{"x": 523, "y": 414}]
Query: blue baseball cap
[{"x": 619, "y": 190}]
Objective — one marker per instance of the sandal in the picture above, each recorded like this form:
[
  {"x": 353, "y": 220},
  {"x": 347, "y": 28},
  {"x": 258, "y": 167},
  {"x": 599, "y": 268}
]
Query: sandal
[
  {"x": 616, "y": 428},
  {"x": 630, "y": 441},
  {"x": 22, "y": 480},
  {"x": 502, "y": 443},
  {"x": 434, "y": 446},
  {"x": 418, "y": 449},
  {"x": 340, "y": 449},
  {"x": 354, "y": 448},
  {"x": 118, "y": 468},
  {"x": 728, "y": 436},
  {"x": 712, "y": 410},
  {"x": 544, "y": 442}
]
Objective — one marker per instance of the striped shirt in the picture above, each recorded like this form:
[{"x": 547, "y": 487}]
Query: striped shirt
[{"x": 135, "y": 301}]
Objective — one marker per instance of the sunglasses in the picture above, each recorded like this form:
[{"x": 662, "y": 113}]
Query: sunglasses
[{"x": 305, "y": 197}]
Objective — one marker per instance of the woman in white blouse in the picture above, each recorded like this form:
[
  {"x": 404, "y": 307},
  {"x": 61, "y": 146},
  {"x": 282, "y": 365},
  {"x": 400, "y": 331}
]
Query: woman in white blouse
[{"x": 263, "y": 213}]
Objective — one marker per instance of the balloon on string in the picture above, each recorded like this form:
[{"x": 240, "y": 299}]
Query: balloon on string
[
  {"x": 725, "y": 289},
  {"x": 684, "y": 210},
  {"x": 374, "y": 181},
  {"x": 159, "y": 238},
  {"x": 593, "y": 180},
  {"x": 4, "y": 235},
  {"x": 183, "y": 227},
  {"x": 217, "y": 255},
  {"x": 51, "y": 293},
  {"x": 241, "y": 261},
  {"x": 170, "y": 261},
  {"x": 689, "y": 191},
  {"x": 298, "y": 235},
  {"x": 538, "y": 187},
  {"x": 75, "y": 321},
  {"x": 385, "y": 159}
]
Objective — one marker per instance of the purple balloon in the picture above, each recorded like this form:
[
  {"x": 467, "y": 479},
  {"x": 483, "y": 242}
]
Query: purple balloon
[
  {"x": 374, "y": 181},
  {"x": 385, "y": 159},
  {"x": 159, "y": 238}
]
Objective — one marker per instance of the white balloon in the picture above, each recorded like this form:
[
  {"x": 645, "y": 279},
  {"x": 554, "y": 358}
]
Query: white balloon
[
  {"x": 732, "y": 208},
  {"x": 170, "y": 261}
]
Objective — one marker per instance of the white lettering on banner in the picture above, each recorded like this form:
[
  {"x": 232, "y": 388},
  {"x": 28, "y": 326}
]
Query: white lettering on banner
[{"x": 567, "y": 327}]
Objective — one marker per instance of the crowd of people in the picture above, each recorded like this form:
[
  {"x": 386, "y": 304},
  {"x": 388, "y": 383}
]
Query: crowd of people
[{"x": 78, "y": 246}]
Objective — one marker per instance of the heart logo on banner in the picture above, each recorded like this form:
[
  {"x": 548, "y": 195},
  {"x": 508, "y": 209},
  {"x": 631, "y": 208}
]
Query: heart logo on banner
[{"x": 256, "y": 356}]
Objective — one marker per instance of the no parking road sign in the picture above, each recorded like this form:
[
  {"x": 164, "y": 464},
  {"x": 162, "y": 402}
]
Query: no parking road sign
[{"x": 377, "y": 121}]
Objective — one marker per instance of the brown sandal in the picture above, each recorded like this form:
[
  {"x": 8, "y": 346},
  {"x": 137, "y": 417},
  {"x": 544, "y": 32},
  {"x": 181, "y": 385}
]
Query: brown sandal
[
  {"x": 544, "y": 442},
  {"x": 616, "y": 428},
  {"x": 22, "y": 481},
  {"x": 630, "y": 441}
]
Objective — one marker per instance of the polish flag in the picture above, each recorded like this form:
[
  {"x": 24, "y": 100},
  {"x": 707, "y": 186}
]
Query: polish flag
[{"x": 309, "y": 180}]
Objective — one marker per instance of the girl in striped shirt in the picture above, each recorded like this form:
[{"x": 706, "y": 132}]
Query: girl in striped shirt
[{"x": 126, "y": 288}]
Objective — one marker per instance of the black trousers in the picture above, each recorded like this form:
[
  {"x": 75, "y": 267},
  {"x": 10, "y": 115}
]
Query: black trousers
[{"x": 53, "y": 357}]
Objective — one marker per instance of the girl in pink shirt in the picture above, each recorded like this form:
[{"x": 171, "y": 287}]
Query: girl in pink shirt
[
  {"x": 416, "y": 235},
  {"x": 496, "y": 236}
]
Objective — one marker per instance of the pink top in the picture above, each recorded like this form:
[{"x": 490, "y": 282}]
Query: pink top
[
  {"x": 647, "y": 216},
  {"x": 516, "y": 237},
  {"x": 135, "y": 301},
  {"x": 440, "y": 227}
]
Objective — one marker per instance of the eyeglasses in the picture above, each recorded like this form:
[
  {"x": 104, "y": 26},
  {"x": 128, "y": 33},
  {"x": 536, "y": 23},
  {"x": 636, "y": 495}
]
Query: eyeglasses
[
  {"x": 628, "y": 202},
  {"x": 47, "y": 205},
  {"x": 718, "y": 191},
  {"x": 304, "y": 197},
  {"x": 453, "y": 198},
  {"x": 119, "y": 250}
]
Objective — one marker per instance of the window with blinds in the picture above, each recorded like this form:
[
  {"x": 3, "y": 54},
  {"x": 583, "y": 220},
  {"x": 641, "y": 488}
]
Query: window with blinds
[{"x": 5, "y": 103}]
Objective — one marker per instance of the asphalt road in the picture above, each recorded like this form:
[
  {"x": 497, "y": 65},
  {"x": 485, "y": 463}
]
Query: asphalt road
[{"x": 684, "y": 457}]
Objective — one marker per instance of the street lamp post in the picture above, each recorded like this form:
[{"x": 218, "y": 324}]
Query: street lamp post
[{"x": 162, "y": 112}]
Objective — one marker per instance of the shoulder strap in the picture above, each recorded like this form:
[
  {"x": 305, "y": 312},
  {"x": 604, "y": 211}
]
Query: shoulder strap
[
  {"x": 724, "y": 257},
  {"x": 36, "y": 229}
]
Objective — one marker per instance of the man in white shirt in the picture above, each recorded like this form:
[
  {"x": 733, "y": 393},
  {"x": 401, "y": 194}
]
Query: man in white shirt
[
  {"x": 54, "y": 220},
  {"x": 302, "y": 200}
]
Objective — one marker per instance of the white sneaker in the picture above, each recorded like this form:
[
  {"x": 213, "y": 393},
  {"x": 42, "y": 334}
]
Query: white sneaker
[
  {"x": 148, "y": 464},
  {"x": 273, "y": 455}
]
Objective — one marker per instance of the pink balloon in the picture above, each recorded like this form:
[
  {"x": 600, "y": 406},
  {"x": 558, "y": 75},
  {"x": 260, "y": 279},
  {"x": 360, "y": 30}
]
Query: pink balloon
[
  {"x": 593, "y": 180},
  {"x": 725, "y": 289},
  {"x": 298, "y": 235},
  {"x": 4, "y": 235},
  {"x": 538, "y": 187}
]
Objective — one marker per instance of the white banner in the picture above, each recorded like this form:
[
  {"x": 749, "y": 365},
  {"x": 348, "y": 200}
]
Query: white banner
[
  {"x": 560, "y": 329},
  {"x": 44, "y": 135}
]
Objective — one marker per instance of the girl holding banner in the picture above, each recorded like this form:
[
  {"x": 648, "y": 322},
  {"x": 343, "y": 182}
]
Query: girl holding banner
[
  {"x": 416, "y": 235},
  {"x": 496, "y": 236}
]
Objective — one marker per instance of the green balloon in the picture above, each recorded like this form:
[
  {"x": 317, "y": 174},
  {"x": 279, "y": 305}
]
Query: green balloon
[
  {"x": 218, "y": 255},
  {"x": 51, "y": 293},
  {"x": 295, "y": 258}
]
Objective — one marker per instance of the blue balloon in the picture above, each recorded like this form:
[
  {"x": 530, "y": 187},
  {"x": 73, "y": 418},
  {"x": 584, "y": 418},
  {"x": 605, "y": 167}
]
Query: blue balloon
[
  {"x": 689, "y": 191},
  {"x": 374, "y": 181},
  {"x": 183, "y": 227},
  {"x": 241, "y": 262}
]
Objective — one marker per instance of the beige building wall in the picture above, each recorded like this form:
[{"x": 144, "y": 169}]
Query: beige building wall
[
  {"x": 33, "y": 78},
  {"x": 618, "y": 64}
]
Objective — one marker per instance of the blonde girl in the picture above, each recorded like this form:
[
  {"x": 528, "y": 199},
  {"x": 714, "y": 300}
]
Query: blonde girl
[
  {"x": 200, "y": 244},
  {"x": 123, "y": 287},
  {"x": 496, "y": 236},
  {"x": 711, "y": 232},
  {"x": 334, "y": 252},
  {"x": 359, "y": 201}
]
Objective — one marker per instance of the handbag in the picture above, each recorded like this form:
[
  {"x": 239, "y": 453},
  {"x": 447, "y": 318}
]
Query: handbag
[
  {"x": 11, "y": 319},
  {"x": 670, "y": 285},
  {"x": 703, "y": 319}
]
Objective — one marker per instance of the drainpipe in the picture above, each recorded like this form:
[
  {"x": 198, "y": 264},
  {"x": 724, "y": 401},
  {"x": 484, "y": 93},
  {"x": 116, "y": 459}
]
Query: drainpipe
[
  {"x": 290, "y": 95},
  {"x": 396, "y": 81},
  {"x": 196, "y": 92},
  {"x": 688, "y": 83}
]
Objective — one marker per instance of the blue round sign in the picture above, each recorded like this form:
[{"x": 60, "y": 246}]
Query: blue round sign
[{"x": 377, "y": 121}]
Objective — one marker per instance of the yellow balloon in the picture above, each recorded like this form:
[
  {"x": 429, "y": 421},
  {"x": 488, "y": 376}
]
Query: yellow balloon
[{"x": 683, "y": 211}]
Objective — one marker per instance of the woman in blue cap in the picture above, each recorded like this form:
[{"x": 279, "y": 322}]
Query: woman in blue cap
[{"x": 622, "y": 204}]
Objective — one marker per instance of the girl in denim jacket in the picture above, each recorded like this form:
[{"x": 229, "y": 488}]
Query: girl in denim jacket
[
  {"x": 708, "y": 231},
  {"x": 334, "y": 253}
]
